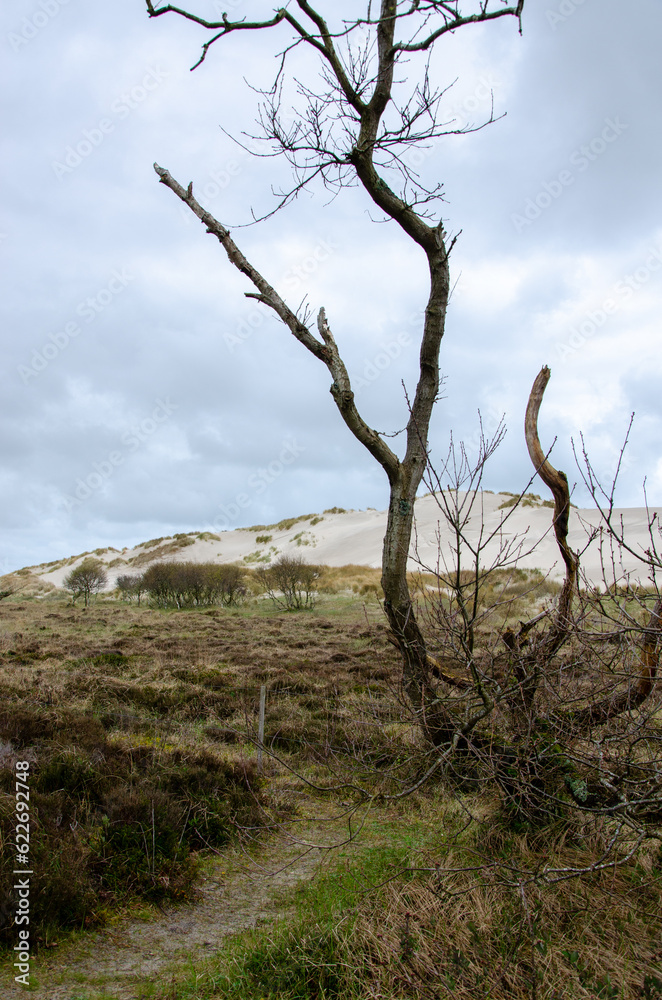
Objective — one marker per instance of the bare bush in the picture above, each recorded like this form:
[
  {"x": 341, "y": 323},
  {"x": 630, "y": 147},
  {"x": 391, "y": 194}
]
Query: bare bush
[
  {"x": 189, "y": 584},
  {"x": 555, "y": 703},
  {"x": 290, "y": 583},
  {"x": 158, "y": 583},
  {"x": 87, "y": 579},
  {"x": 131, "y": 587}
]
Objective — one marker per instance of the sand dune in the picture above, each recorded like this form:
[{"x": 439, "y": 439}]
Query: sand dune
[{"x": 336, "y": 539}]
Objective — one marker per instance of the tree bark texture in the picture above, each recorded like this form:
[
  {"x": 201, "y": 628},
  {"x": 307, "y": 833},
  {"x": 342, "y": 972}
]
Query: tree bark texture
[{"x": 360, "y": 94}]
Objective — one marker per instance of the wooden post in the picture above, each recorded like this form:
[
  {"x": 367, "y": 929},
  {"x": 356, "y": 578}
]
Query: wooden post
[{"x": 260, "y": 732}]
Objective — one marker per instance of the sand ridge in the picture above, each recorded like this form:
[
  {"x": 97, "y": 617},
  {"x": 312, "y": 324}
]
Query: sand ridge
[{"x": 356, "y": 536}]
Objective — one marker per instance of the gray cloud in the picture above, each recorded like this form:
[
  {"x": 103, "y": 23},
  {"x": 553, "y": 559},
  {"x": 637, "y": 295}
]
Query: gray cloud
[{"x": 114, "y": 298}]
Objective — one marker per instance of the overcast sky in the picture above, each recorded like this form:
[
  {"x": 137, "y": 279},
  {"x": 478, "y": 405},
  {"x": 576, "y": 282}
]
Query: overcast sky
[{"x": 142, "y": 393}]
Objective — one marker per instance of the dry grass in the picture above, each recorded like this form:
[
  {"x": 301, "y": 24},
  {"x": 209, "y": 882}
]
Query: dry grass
[
  {"x": 159, "y": 551},
  {"x": 362, "y": 580},
  {"x": 435, "y": 904},
  {"x": 476, "y": 918},
  {"x": 25, "y": 584},
  {"x": 365, "y": 581},
  {"x": 166, "y": 702},
  {"x": 164, "y": 699},
  {"x": 122, "y": 660}
]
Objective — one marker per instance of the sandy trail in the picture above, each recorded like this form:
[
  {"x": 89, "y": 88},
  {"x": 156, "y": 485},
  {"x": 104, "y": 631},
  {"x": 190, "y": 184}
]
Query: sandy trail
[{"x": 237, "y": 892}]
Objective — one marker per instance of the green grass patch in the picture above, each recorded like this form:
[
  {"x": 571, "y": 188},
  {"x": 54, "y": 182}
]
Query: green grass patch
[{"x": 306, "y": 956}]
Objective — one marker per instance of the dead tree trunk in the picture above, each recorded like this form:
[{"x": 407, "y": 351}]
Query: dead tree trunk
[
  {"x": 398, "y": 606},
  {"x": 374, "y": 128}
]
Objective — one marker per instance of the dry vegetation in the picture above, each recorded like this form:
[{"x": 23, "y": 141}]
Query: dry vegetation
[
  {"x": 140, "y": 724},
  {"x": 460, "y": 925},
  {"x": 121, "y": 709}
]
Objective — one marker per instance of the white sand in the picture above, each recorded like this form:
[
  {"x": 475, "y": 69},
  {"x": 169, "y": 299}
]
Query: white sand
[{"x": 357, "y": 537}]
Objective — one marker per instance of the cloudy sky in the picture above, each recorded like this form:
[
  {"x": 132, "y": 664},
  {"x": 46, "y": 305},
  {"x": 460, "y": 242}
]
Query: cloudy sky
[{"x": 142, "y": 393}]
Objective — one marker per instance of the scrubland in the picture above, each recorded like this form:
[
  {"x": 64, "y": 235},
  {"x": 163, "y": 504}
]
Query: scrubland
[{"x": 140, "y": 725}]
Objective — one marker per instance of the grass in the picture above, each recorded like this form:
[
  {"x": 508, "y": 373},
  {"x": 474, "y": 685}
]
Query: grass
[
  {"x": 410, "y": 913},
  {"x": 140, "y": 726},
  {"x": 477, "y": 932},
  {"x": 286, "y": 524},
  {"x": 306, "y": 955}
]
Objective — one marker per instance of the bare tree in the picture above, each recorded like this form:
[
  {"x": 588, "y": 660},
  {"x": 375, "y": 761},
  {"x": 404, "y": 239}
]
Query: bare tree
[
  {"x": 559, "y": 710},
  {"x": 356, "y": 128},
  {"x": 290, "y": 583},
  {"x": 87, "y": 579}
]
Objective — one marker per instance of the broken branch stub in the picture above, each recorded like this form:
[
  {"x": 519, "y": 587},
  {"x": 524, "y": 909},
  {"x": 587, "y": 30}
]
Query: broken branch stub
[{"x": 555, "y": 480}]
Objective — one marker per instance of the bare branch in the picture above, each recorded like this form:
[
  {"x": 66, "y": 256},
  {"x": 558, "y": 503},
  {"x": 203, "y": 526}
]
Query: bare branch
[
  {"x": 267, "y": 293},
  {"x": 225, "y": 25},
  {"x": 327, "y": 351},
  {"x": 634, "y": 695},
  {"x": 558, "y": 484},
  {"x": 457, "y": 21}
]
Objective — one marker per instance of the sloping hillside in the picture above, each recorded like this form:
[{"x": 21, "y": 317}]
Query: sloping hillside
[{"x": 337, "y": 537}]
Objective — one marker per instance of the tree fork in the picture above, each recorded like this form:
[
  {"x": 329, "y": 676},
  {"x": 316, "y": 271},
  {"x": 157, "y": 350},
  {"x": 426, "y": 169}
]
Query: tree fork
[{"x": 364, "y": 100}]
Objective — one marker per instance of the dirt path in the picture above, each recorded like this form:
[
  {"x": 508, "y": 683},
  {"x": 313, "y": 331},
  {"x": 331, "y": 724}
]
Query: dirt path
[{"x": 238, "y": 891}]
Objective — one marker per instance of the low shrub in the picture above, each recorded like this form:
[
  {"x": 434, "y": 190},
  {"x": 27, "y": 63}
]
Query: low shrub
[
  {"x": 130, "y": 586},
  {"x": 290, "y": 583},
  {"x": 110, "y": 822},
  {"x": 187, "y": 584}
]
